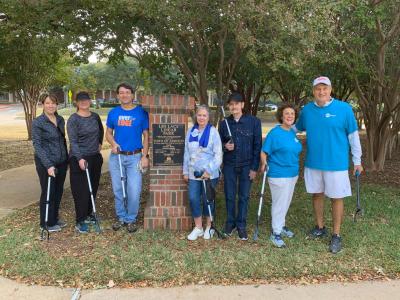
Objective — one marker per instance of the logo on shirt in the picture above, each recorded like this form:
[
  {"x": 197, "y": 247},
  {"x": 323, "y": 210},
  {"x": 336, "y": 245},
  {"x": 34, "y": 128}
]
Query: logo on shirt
[
  {"x": 195, "y": 132},
  {"x": 328, "y": 115},
  {"x": 125, "y": 121}
]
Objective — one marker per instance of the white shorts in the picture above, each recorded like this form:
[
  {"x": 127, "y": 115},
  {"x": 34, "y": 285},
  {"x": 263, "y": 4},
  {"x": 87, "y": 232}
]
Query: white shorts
[{"x": 334, "y": 184}]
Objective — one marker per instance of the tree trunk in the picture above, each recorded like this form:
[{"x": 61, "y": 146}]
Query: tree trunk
[
  {"x": 29, "y": 102},
  {"x": 377, "y": 147}
]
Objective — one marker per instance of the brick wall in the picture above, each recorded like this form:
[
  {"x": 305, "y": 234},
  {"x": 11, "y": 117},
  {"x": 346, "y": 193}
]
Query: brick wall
[{"x": 167, "y": 207}]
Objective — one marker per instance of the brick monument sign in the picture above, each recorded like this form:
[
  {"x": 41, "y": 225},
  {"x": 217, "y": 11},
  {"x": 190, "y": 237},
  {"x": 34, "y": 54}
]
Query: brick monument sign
[{"x": 168, "y": 206}]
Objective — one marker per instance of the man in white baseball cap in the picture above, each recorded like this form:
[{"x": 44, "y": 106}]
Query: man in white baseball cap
[{"x": 331, "y": 133}]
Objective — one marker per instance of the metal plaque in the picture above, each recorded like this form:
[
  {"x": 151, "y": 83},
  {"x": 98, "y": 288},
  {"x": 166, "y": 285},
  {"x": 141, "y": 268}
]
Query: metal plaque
[{"x": 168, "y": 144}]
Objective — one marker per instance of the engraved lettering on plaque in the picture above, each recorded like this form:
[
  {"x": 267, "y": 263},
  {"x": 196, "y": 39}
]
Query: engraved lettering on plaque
[{"x": 168, "y": 144}]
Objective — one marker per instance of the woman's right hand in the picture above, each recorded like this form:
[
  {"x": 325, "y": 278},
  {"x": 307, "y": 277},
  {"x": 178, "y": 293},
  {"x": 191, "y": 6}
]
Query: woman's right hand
[
  {"x": 51, "y": 171},
  {"x": 262, "y": 168},
  {"x": 186, "y": 178}
]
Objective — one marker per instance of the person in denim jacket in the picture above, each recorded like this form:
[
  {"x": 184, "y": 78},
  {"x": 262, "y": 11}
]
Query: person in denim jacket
[
  {"x": 202, "y": 159},
  {"x": 240, "y": 163}
]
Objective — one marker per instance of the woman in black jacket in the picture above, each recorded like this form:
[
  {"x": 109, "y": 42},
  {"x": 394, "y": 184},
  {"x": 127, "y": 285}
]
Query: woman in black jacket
[
  {"x": 48, "y": 136},
  {"x": 85, "y": 132}
]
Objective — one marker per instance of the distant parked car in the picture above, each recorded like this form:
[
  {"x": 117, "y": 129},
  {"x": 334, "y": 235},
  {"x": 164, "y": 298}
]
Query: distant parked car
[{"x": 271, "y": 107}]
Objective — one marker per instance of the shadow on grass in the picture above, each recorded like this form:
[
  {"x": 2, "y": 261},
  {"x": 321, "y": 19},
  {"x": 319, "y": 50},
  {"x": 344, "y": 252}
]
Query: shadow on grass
[{"x": 162, "y": 258}]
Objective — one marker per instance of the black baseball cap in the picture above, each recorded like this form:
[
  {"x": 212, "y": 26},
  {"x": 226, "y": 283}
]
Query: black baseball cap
[
  {"x": 235, "y": 97},
  {"x": 82, "y": 96}
]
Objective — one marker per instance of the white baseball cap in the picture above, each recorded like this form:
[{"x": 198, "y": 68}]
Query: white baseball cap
[{"x": 322, "y": 79}]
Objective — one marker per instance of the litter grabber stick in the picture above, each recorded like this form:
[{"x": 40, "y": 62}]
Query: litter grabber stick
[
  {"x": 255, "y": 236},
  {"x": 125, "y": 198},
  {"x": 359, "y": 211},
  {"x": 45, "y": 229},
  {"x": 96, "y": 219},
  {"x": 227, "y": 125},
  {"x": 212, "y": 227}
]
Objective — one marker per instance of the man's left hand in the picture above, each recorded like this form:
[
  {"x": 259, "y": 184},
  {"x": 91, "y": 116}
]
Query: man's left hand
[
  {"x": 252, "y": 174},
  {"x": 358, "y": 168}
]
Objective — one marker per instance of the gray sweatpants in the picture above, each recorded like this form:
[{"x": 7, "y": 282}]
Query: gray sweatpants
[{"x": 281, "y": 193}]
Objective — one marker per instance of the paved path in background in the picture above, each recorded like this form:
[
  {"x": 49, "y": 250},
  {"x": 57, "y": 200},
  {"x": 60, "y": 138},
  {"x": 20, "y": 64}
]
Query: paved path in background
[{"x": 19, "y": 187}]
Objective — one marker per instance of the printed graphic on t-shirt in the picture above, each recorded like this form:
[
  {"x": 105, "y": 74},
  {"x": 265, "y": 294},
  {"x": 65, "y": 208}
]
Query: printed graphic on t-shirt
[{"x": 125, "y": 121}]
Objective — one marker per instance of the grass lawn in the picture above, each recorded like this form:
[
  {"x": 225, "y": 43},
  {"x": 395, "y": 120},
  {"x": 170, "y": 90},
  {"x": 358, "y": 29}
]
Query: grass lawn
[{"x": 162, "y": 258}]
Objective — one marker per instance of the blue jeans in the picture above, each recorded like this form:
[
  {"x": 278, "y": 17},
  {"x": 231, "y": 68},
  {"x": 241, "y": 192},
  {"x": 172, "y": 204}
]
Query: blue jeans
[
  {"x": 133, "y": 185},
  {"x": 233, "y": 176},
  {"x": 196, "y": 198}
]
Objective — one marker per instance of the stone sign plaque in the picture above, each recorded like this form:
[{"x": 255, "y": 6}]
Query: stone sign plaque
[{"x": 168, "y": 144}]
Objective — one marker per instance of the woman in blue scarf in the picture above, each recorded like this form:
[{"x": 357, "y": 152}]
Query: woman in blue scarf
[{"x": 202, "y": 159}]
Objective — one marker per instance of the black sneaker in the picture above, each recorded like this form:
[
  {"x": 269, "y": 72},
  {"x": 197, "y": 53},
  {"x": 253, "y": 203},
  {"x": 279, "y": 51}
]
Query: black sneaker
[
  {"x": 336, "y": 244},
  {"x": 228, "y": 229},
  {"x": 131, "y": 227},
  {"x": 117, "y": 225},
  {"x": 242, "y": 234},
  {"x": 317, "y": 232}
]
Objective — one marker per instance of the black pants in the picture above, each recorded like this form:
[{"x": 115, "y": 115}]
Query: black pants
[
  {"x": 79, "y": 184},
  {"x": 56, "y": 191}
]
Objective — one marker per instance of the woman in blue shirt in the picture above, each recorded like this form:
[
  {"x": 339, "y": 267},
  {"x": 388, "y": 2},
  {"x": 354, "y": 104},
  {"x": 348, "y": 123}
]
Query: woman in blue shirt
[
  {"x": 203, "y": 156},
  {"x": 280, "y": 153}
]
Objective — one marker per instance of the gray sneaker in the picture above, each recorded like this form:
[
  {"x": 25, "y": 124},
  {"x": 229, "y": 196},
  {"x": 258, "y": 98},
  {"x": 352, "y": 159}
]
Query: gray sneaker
[
  {"x": 53, "y": 228},
  {"x": 61, "y": 223},
  {"x": 336, "y": 244},
  {"x": 287, "y": 232},
  {"x": 317, "y": 232}
]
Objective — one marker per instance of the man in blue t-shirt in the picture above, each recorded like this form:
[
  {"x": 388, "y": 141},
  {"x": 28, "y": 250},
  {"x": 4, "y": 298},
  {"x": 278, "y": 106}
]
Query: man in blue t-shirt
[
  {"x": 331, "y": 133},
  {"x": 127, "y": 124}
]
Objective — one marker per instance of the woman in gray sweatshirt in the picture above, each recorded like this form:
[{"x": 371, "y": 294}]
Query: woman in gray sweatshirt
[{"x": 85, "y": 132}]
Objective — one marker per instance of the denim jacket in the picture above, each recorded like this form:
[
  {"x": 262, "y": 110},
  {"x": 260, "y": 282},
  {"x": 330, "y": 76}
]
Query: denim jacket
[
  {"x": 49, "y": 141},
  {"x": 197, "y": 158},
  {"x": 246, "y": 134}
]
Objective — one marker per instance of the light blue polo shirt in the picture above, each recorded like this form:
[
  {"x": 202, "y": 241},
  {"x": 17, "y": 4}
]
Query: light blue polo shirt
[
  {"x": 128, "y": 126},
  {"x": 283, "y": 149},
  {"x": 327, "y": 130}
]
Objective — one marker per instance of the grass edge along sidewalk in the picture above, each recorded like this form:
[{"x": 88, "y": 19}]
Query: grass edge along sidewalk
[{"x": 163, "y": 258}]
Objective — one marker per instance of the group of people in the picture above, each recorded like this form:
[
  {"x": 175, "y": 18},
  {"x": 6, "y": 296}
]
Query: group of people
[
  {"x": 236, "y": 146},
  {"x": 331, "y": 134},
  {"x": 126, "y": 132}
]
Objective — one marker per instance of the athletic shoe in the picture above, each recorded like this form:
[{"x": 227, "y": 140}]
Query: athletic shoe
[
  {"x": 53, "y": 228},
  {"x": 208, "y": 233},
  {"x": 131, "y": 227},
  {"x": 287, "y": 232},
  {"x": 61, "y": 223},
  {"x": 276, "y": 239},
  {"x": 82, "y": 227},
  {"x": 336, "y": 244},
  {"x": 317, "y": 232},
  {"x": 228, "y": 229},
  {"x": 90, "y": 220},
  {"x": 196, "y": 233},
  {"x": 117, "y": 225},
  {"x": 242, "y": 234}
]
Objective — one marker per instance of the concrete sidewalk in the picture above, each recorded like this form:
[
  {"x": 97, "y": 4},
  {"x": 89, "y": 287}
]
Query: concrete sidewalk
[
  {"x": 19, "y": 187},
  {"x": 349, "y": 291}
]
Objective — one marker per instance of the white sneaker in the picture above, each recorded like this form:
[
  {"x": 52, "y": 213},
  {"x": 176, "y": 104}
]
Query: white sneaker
[
  {"x": 208, "y": 233},
  {"x": 196, "y": 232}
]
